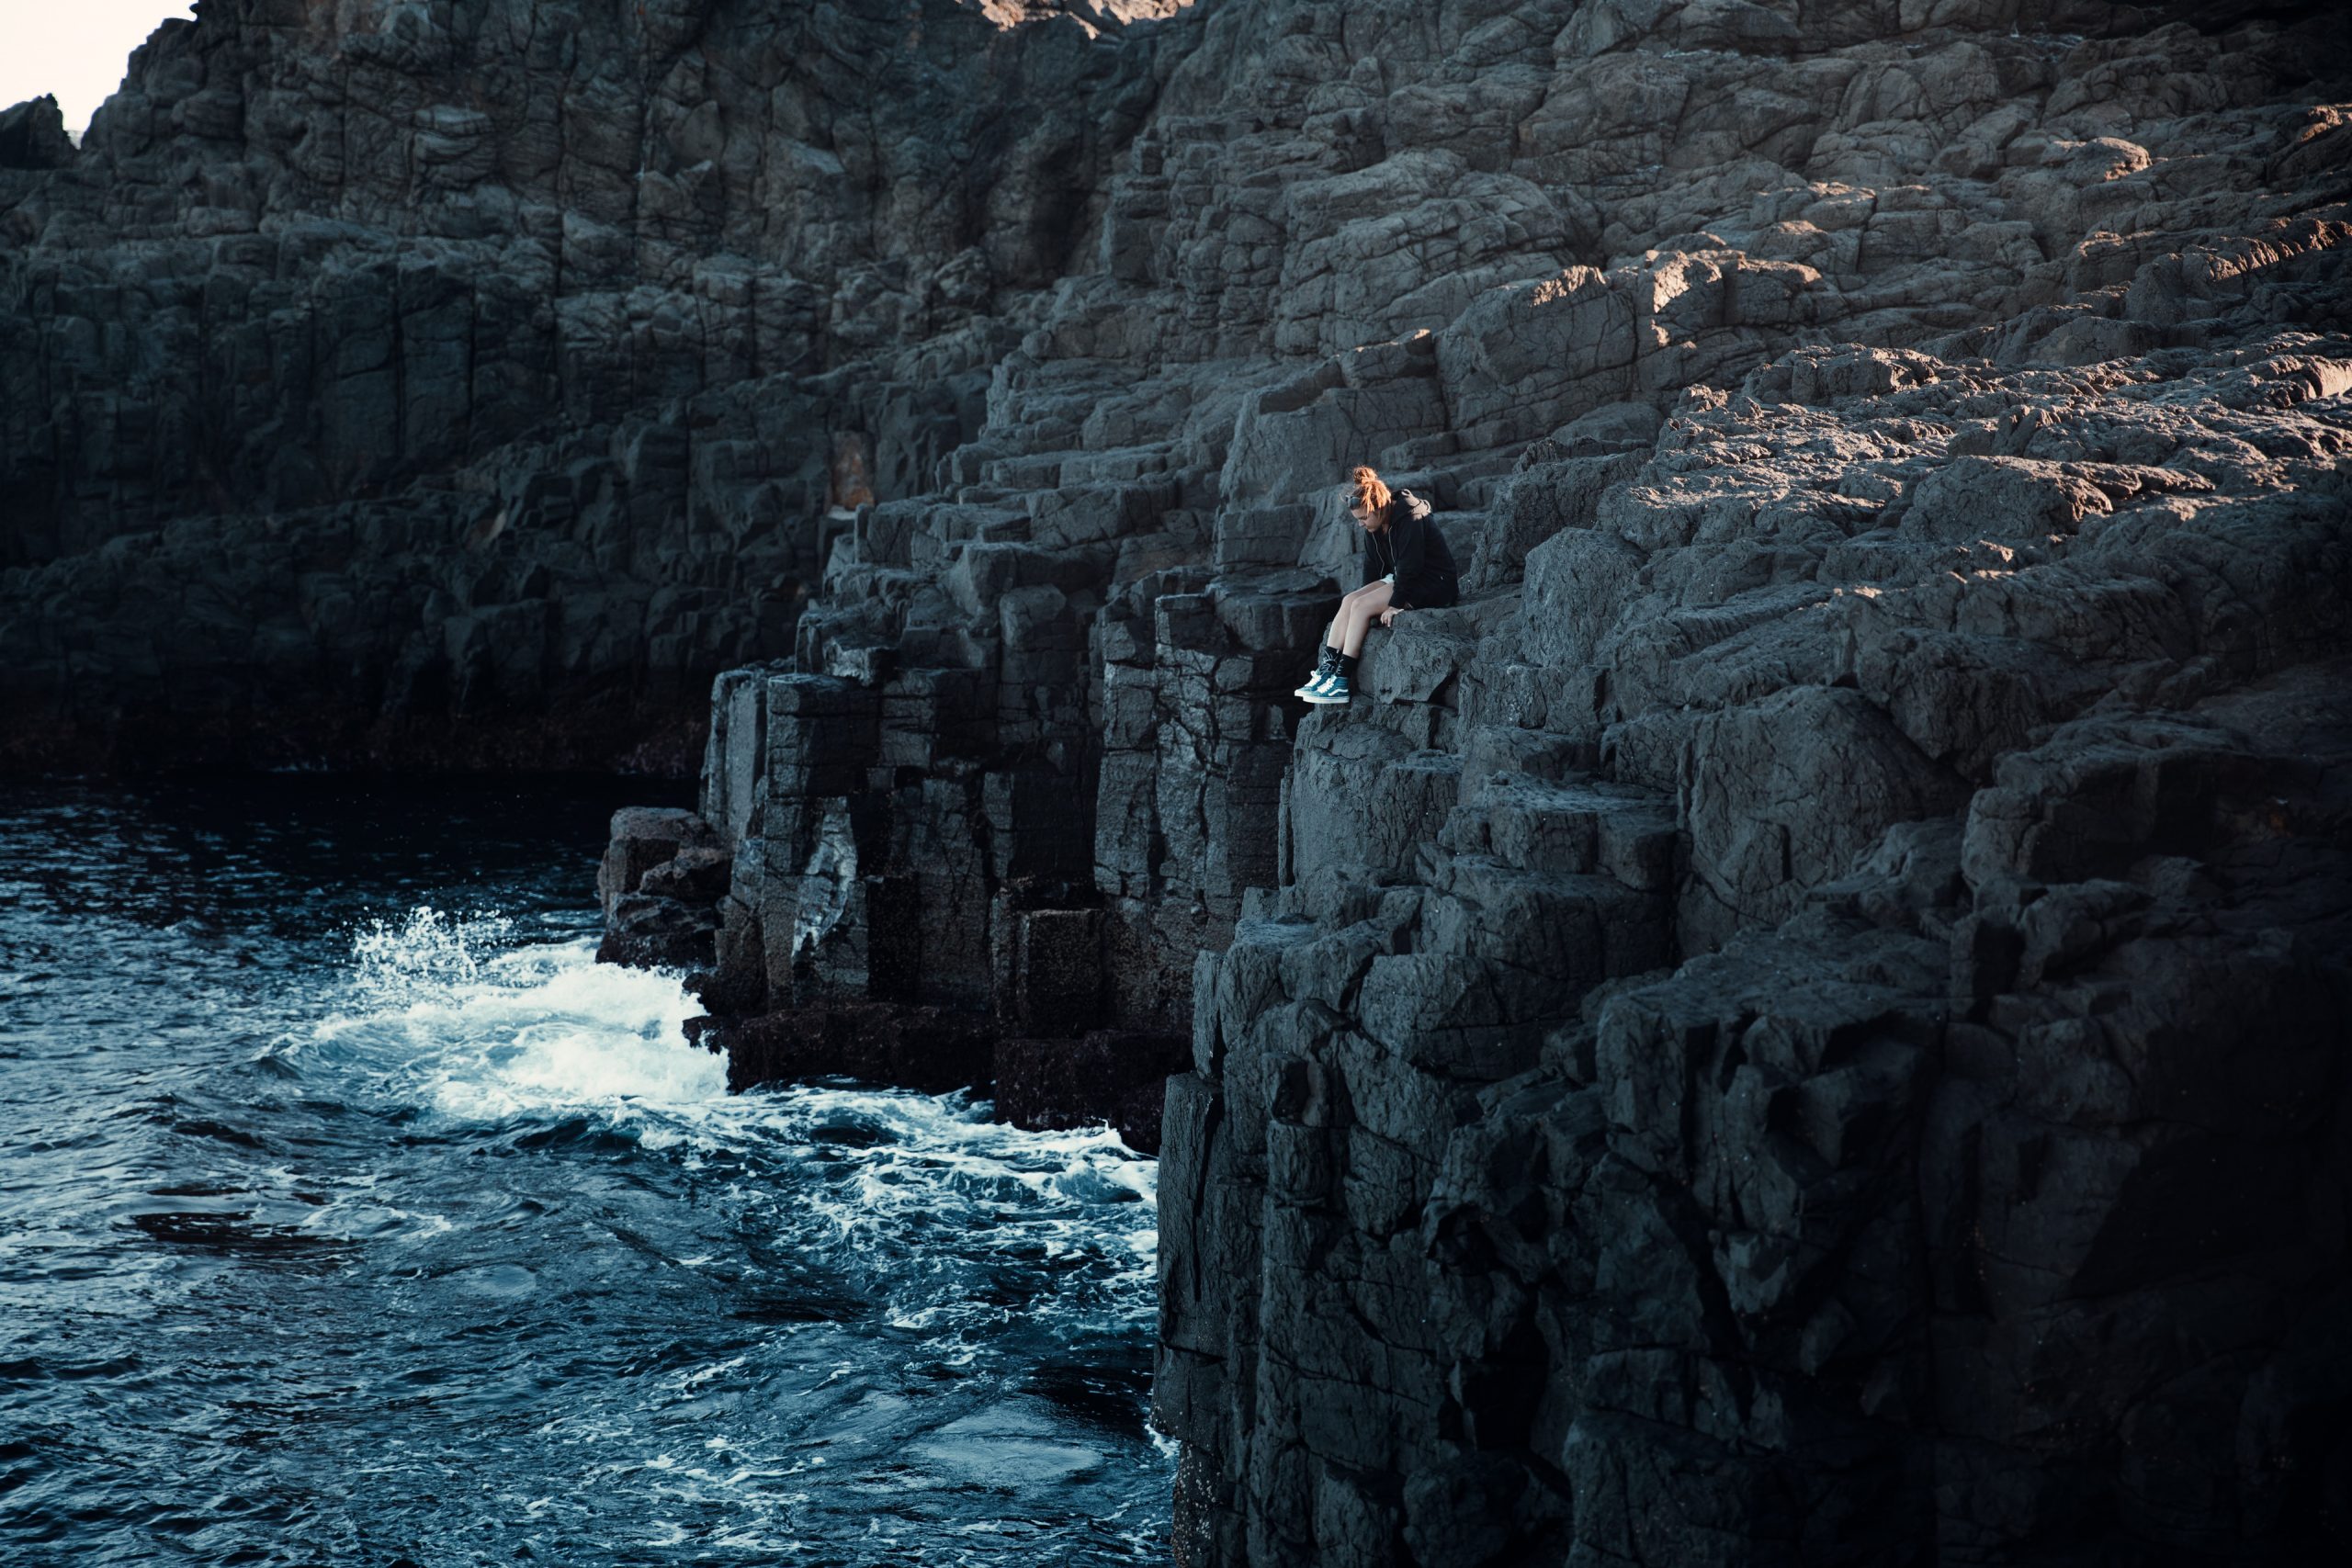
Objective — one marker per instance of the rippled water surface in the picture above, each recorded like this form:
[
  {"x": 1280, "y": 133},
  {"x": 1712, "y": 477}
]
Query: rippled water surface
[{"x": 349, "y": 1213}]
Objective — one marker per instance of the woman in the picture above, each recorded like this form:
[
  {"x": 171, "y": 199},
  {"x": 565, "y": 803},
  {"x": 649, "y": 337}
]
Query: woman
[{"x": 1405, "y": 566}]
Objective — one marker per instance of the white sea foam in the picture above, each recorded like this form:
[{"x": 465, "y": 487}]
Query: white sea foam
[
  {"x": 428, "y": 947},
  {"x": 449, "y": 1013},
  {"x": 907, "y": 1191},
  {"x": 495, "y": 1133},
  {"x": 442, "y": 1007}
]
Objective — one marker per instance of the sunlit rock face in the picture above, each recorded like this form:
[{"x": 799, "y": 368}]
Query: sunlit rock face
[{"x": 1802, "y": 1022}]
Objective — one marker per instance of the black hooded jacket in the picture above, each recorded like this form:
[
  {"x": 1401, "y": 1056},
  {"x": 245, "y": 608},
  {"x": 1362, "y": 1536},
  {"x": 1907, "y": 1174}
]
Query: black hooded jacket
[{"x": 1413, "y": 547}]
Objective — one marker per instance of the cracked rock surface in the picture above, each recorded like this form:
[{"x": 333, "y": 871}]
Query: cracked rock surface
[
  {"x": 1804, "y": 1020},
  {"x": 443, "y": 384}
]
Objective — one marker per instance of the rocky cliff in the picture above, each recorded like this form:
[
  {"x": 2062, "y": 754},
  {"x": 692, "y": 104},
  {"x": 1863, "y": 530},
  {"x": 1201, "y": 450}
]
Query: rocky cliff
[
  {"x": 1804, "y": 1021},
  {"x": 431, "y": 383}
]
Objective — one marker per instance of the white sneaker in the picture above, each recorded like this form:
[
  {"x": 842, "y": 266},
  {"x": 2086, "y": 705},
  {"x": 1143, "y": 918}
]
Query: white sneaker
[
  {"x": 1334, "y": 689},
  {"x": 1312, "y": 681}
]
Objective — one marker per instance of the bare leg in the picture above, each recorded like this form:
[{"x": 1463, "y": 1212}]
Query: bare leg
[
  {"x": 1335, "y": 638},
  {"x": 1359, "y": 612}
]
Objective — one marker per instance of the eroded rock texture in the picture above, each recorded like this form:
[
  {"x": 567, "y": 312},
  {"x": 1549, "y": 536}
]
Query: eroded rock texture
[
  {"x": 451, "y": 383},
  {"x": 1804, "y": 1021}
]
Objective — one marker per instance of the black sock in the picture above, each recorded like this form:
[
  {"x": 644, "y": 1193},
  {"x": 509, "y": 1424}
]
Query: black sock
[{"x": 1348, "y": 665}]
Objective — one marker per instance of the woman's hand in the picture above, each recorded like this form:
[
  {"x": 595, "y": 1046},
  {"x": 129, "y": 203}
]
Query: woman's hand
[{"x": 1388, "y": 616}]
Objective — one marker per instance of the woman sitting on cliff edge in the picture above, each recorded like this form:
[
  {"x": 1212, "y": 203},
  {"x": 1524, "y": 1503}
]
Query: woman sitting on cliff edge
[{"x": 1405, "y": 566}]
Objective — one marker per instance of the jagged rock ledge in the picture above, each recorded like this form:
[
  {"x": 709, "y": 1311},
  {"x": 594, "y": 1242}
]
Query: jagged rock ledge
[
  {"x": 1826, "y": 978},
  {"x": 1806, "y": 1020},
  {"x": 1039, "y": 1051},
  {"x": 462, "y": 387}
]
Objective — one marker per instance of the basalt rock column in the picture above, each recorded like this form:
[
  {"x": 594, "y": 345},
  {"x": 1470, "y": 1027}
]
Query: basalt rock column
[
  {"x": 460, "y": 385},
  {"x": 1685, "y": 1066},
  {"x": 1950, "y": 1166}
]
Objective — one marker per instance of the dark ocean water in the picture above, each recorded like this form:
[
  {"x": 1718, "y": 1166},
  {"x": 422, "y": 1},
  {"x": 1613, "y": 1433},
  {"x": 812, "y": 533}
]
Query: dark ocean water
[{"x": 349, "y": 1213}]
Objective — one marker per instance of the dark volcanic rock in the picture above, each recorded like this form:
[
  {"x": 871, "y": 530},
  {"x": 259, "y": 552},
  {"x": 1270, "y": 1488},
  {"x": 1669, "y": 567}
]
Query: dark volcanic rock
[
  {"x": 1804, "y": 1020},
  {"x": 646, "y": 839},
  {"x": 33, "y": 136},
  {"x": 933, "y": 1049},
  {"x": 466, "y": 385},
  {"x": 648, "y": 931},
  {"x": 695, "y": 875},
  {"x": 660, "y": 881},
  {"x": 1105, "y": 1076}
]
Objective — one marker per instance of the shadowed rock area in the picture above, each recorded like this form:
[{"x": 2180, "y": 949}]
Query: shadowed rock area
[
  {"x": 465, "y": 385},
  {"x": 1804, "y": 1021}
]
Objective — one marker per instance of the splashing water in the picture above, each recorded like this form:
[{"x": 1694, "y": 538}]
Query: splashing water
[
  {"x": 338, "y": 1232},
  {"x": 481, "y": 1028},
  {"x": 428, "y": 947}
]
